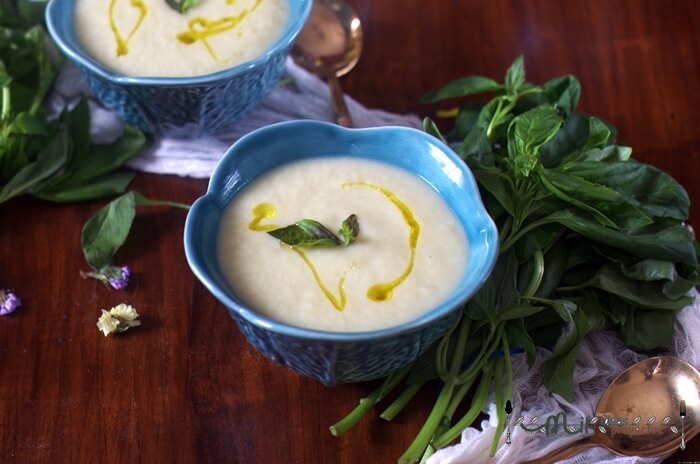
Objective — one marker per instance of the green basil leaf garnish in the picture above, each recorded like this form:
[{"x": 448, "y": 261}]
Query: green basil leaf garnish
[
  {"x": 182, "y": 5},
  {"x": 349, "y": 230},
  {"x": 309, "y": 233}
]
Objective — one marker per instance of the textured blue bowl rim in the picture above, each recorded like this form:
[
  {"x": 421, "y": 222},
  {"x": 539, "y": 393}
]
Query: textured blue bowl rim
[
  {"x": 217, "y": 181},
  {"x": 53, "y": 15}
]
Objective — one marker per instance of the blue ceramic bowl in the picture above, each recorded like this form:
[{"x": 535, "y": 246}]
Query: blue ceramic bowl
[
  {"x": 333, "y": 357},
  {"x": 179, "y": 106}
]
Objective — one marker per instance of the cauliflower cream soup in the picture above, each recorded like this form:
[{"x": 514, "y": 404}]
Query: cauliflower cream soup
[
  {"x": 149, "y": 38},
  {"x": 409, "y": 255}
]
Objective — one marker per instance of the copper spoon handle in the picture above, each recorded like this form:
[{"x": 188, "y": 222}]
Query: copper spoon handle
[
  {"x": 566, "y": 451},
  {"x": 340, "y": 109}
]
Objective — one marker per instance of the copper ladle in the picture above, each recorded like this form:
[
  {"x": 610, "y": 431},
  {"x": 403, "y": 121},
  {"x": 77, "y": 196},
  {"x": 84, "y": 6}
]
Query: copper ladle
[
  {"x": 648, "y": 394},
  {"x": 329, "y": 46}
]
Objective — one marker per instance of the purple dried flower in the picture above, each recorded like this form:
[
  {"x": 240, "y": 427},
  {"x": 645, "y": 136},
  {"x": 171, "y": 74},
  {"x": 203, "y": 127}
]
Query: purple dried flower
[
  {"x": 9, "y": 301},
  {"x": 123, "y": 281},
  {"x": 105, "y": 274}
]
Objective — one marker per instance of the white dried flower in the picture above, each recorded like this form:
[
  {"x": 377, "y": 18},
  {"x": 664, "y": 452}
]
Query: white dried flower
[{"x": 118, "y": 319}]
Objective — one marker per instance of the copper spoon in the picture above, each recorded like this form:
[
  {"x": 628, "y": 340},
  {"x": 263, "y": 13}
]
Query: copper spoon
[
  {"x": 653, "y": 388},
  {"x": 329, "y": 46}
]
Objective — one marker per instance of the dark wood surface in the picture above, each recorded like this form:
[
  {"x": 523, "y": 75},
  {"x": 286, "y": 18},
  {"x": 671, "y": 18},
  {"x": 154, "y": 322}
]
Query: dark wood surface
[{"x": 186, "y": 387}]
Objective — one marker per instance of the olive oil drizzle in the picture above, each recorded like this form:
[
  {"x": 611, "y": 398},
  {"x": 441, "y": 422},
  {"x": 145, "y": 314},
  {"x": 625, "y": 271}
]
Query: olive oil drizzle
[
  {"x": 338, "y": 303},
  {"x": 200, "y": 29},
  {"x": 260, "y": 212},
  {"x": 385, "y": 290},
  {"x": 123, "y": 42},
  {"x": 267, "y": 210}
]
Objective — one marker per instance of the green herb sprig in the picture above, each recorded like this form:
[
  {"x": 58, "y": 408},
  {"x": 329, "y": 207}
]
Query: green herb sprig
[
  {"x": 107, "y": 230},
  {"x": 309, "y": 233},
  {"x": 590, "y": 239},
  {"x": 182, "y": 6},
  {"x": 51, "y": 160}
]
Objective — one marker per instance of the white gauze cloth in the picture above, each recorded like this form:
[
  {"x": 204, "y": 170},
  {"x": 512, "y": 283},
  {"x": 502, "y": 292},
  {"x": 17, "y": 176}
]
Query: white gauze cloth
[
  {"x": 308, "y": 98},
  {"x": 601, "y": 357}
]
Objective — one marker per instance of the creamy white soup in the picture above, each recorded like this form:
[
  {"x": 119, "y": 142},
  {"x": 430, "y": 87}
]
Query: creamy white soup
[
  {"x": 410, "y": 253},
  {"x": 149, "y": 38}
]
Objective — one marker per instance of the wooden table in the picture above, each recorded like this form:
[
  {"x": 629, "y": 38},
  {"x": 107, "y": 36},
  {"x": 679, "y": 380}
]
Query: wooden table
[{"x": 186, "y": 387}]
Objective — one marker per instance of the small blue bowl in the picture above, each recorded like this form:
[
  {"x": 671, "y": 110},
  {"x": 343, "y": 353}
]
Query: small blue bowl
[
  {"x": 180, "y": 106},
  {"x": 333, "y": 357}
]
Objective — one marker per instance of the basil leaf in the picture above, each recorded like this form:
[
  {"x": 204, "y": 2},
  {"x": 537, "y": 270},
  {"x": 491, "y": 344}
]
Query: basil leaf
[
  {"x": 527, "y": 133},
  {"x": 598, "y": 134},
  {"x": 349, "y": 230},
  {"x": 431, "y": 128},
  {"x": 559, "y": 369},
  {"x": 649, "y": 188},
  {"x": 519, "y": 337},
  {"x": 87, "y": 175},
  {"x": 27, "y": 124},
  {"x": 49, "y": 162},
  {"x": 106, "y": 186},
  {"x": 564, "y": 92},
  {"x": 648, "y": 329},
  {"x": 518, "y": 312},
  {"x": 604, "y": 203},
  {"x": 594, "y": 311},
  {"x": 571, "y": 137},
  {"x": 671, "y": 242},
  {"x": 499, "y": 185},
  {"x": 538, "y": 239},
  {"x": 78, "y": 121},
  {"x": 306, "y": 233},
  {"x": 476, "y": 144},
  {"x": 636, "y": 292},
  {"x": 464, "y": 122},
  {"x": 182, "y": 5},
  {"x": 309, "y": 233},
  {"x": 498, "y": 293},
  {"x": 462, "y": 87},
  {"x": 651, "y": 269},
  {"x": 675, "y": 285},
  {"x": 515, "y": 76},
  {"x": 102, "y": 159},
  {"x": 606, "y": 154},
  {"x": 106, "y": 231}
]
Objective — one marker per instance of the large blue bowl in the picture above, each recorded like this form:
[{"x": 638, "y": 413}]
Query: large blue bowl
[
  {"x": 180, "y": 106},
  {"x": 333, "y": 357}
]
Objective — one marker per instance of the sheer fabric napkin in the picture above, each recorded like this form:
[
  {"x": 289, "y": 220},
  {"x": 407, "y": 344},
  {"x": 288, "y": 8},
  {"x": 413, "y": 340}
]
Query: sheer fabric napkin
[{"x": 600, "y": 359}]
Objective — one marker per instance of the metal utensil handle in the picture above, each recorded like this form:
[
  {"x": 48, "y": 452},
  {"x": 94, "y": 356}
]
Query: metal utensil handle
[
  {"x": 566, "y": 451},
  {"x": 340, "y": 109}
]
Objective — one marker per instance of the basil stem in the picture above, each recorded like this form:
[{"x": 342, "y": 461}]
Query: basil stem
[
  {"x": 500, "y": 404},
  {"x": 480, "y": 396},
  {"x": 537, "y": 274},
  {"x": 427, "y": 432},
  {"x": 400, "y": 402},
  {"x": 391, "y": 382}
]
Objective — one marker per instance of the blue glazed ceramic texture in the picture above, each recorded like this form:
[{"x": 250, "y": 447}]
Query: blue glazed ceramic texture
[
  {"x": 178, "y": 110},
  {"x": 179, "y": 106},
  {"x": 331, "y": 362},
  {"x": 328, "y": 356}
]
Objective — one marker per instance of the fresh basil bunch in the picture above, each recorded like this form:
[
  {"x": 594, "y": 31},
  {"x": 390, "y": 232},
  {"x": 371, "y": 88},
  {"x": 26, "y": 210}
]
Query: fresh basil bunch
[
  {"x": 51, "y": 160},
  {"x": 590, "y": 239}
]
